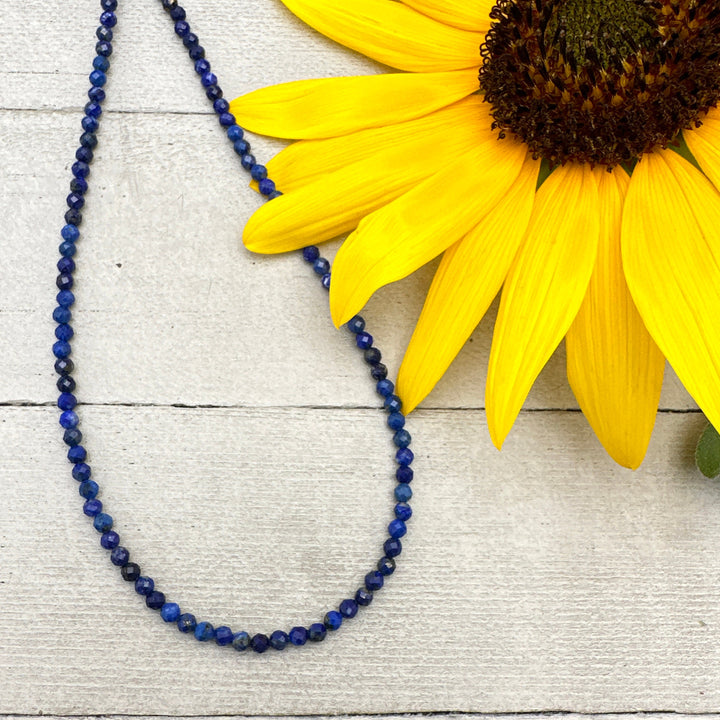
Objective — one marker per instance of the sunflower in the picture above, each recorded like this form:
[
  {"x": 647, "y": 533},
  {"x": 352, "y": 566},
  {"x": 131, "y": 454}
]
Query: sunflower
[{"x": 563, "y": 152}]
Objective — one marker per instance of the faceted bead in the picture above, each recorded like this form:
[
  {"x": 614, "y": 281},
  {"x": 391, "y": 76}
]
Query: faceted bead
[
  {"x": 97, "y": 94},
  {"x": 373, "y": 581},
  {"x": 182, "y": 29},
  {"x": 348, "y": 608},
  {"x": 234, "y": 132},
  {"x": 120, "y": 557},
  {"x": 403, "y": 493},
  {"x": 197, "y": 52},
  {"x": 279, "y": 640},
  {"x": 386, "y": 566},
  {"x": 363, "y": 597},
  {"x": 392, "y": 547},
  {"x": 80, "y": 185},
  {"x": 93, "y": 109},
  {"x": 103, "y": 522},
  {"x": 67, "y": 249},
  {"x": 168, "y": 5},
  {"x": 77, "y": 454},
  {"x": 226, "y": 119},
  {"x": 73, "y": 217},
  {"x": 402, "y": 438},
  {"x": 66, "y": 401},
  {"x": 85, "y": 155},
  {"x": 144, "y": 585},
  {"x": 104, "y": 33},
  {"x": 397, "y": 529},
  {"x": 372, "y": 356},
  {"x": 186, "y": 623},
  {"x": 92, "y": 507},
  {"x": 396, "y": 421},
  {"x": 207, "y": 79},
  {"x": 332, "y": 620},
  {"x": 80, "y": 169},
  {"x": 177, "y": 13},
  {"x": 64, "y": 366},
  {"x": 104, "y": 48},
  {"x": 103, "y": 64},
  {"x": 213, "y": 93},
  {"x": 260, "y": 643},
  {"x": 87, "y": 139},
  {"x": 404, "y": 474},
  {"x": 393, "y": 403},
  {"x": 108, "y": 19},
  {"x": 378, "y": 371},
  {"x": 258, "y": 172},
  {"x": 170, "y": 611},
  {"x": 247, "y": 161},
  {"x": 109, "y": 5},
  {"x": 385, "y": 388},
  {"x": 311, "y": 253},
  {"x": 223, "y": 635},
  {"x": 64, "y": 281},
  {"x": 202, "y": 66},
  {"x": 241, "y": 146},
  {"x": 88, "y": 123},
  {"x": 404, "y": 456},
  {"x": 64, "y": 332},
  {"x": 363, "y": 340},
  {"x": 321, "y": 266},
  {"x": 70, "y": 232},
  {"x": 190, "y": 40},
  {"x": 317, "y": 632},
  {"x": 222, "y": 106},
  {"x": 65, "y": 383},
  {"x": 110, "y": 540},
  {"x": 403, "y": 511},
  {"x": 204, "y": 632},
  {"x": 69, "y": 419},
  {"x": 88, "y": 489},
  {"x": 81, "y": 472},
  {"x": 98, "y": 78},
  {"x": 266, "y": 187},
  {"x": 325, "y": 279},
  {"x": 65, "y": 298},
  {"x": 155, "y": 600},
  {"x": 241, "y": 641},
  {"x": 356, "y": 324},
  {"x": 298, "y": 635},
  {"x": 130, "y": 572}
]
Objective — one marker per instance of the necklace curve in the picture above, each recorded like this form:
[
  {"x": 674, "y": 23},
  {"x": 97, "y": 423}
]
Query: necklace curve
[{"x": 77, "y": 455}]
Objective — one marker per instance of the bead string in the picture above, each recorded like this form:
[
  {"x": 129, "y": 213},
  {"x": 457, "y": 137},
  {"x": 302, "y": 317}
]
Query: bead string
[{"x": 64, "y": 366}]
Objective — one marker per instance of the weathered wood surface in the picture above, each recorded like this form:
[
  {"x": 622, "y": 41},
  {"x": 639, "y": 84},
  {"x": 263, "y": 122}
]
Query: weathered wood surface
[{"x": 241, "y": 451}]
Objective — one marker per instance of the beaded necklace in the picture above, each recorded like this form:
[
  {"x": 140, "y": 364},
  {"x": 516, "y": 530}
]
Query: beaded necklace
[{"x": 89, "y": 490}]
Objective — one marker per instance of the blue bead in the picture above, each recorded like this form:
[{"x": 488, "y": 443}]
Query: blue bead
[
  {"x": 108, "y": 19},
  {"x": 260, "y": 643},
  {"x": 241, "y": 147},
  {"x": 110, "y": 540},
  {"x": 98, "y": 78},
  {"x": 208, "y": 78},
  {"x": 378, "y": 371},
  {"x": 182, "y": 29},
  {"x": 104, "y": 48},
  {"x": 65, "y": 298},
  {"x": 64, "y": 332},
  {"x": 321, "y": 266},
  {"x": 85, "y": 155},
  {"x": 129, "y": 571},
  {"x": 403, "y": 492},
  {"x": 177, "y": 13},
  {"x": 241, "y": 641},
  {"x": 75, "y": 201},
  {"x": 348, "y": 608},
  {"x": 102, "y": 64},
  {"x": 144, "y": 585},
  {"x": 223, "y": 635},
  {"x": 396, "y": 421},
  {"x": 108, "y": 5},
  {"x": 72, "y": 436},
  {"x": 74, "y": 217},
  {"x": 222, "y": 106},
  {"x": 363, "y": 597},
  {"x": 70, "y": 232},
  {"x": 93, "y": 109},
  {"x": 87, "y": 139},
  {"x": 190, "y": 40},
  {"x": 234, "y": 132},
  {"x": 259, "y": 172},
  {"x": 103, "y": 522},
  {"x": 266, "y": 186},
  {"x": 279, "y": 640},
  {"x": 317, "y": 632},
  {"x": 247, "y": 161},
  {"x": 364, "y": 340},
  {"x": 372, "y": 356},
  {"x": 96, "y": 94},
  {"x": 204, "y": 632},
  {"x": 325, "y": 280},
  {"x": 393, "y": 403},
  {"x": 92, "y": 507},
  {"x": 66, "y": 401},
  {"x": 64, "y": 281},
  {"x": 69, "y": 419},
  {"x": 332, "y": 620},
  {"x": 170, "y": 612},
  {"x": 67, "y": 249},
  {"x": 385, "y": 388},
  {"x": 80, "y": 169},
  {"x": 196, "y": 52},
  {"x": 403, "y": 511},
  {"x": 404, "y": 456},
  {"x": 386, "y": 566},
  {"x": 374, "y": 581},
  {"x": 81, "y": 472},
  {"x": 90, "y": 124},
  {"x": 392, "y": 547},
  {"x": 402, "y": 438},
  {"x": 311, "y": 253},
  {"x": 120, "y": 556},
  {"x": 88, "y": 489},
  {"x": 64, "y": 366},
  {"x": 298, "y": 635},
  {"x": 356, "y": 324},
  {"x": 61, "y": 349},
  {"x": 397, "y": 529},
  {"x": 226, "y": 119},
  {"x": 80, "y": 185},
  {"x": 104, "y": 33},
  {"x": 62, "y": 314},
  {"x": 77, "y": 454},
  {"x": 155, "y": 600},
  {"x": 186, "y": 623}
]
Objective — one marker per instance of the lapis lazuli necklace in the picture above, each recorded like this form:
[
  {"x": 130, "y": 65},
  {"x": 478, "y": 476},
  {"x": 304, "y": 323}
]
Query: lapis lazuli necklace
[{"x": 89, "y": 490}]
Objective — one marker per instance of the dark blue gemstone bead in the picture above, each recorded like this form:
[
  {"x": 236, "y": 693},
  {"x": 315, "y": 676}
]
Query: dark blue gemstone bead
[
  {"x": 202, "y": 66},
  {"x": 279, "y": 640},
  {"x": 104, "y": 33},
  {"x": 75, "y": 201},
  {"x": 66, "y": 384},
  {"x": 196, "y": 52},
  {"x": 385, "y": 388},
  {"x": 77, "y": 454},
  {"x": 260, "y": 643},
  {"x": 108, "y": 19},
  {"x": 177, "y": 13},
  {"x": 223, "y": 635},
  {"x": 372, "y": 356},
  {"x": 317, "y": 632},
  {"x": 61, "y": 349},
  {"x": 101, "y": 63},
  {"x": 64, "y": 366},
  {"x": 403, "y": 511},
  {"x": 79, "y": 185},
  {"x": 85, "y": 155},
  {"x": 325, "y": 280},
  {"x": 266, "y": 186},
  {"x": 208, "y": 78},
  {"x": 92, "y": 507},
  {"x": 298, "y": 635},
  {"x": 80, "y": 169},
  {"x": 88, "y": 489},
  {"x": 67, "y": 249},
  {"x": 155, "y": 600},
  {"x": 402, "y": 438},
  {"x": 213, "y": 93},
  {"x": 65, "y": 298},
  {"x": 93, "y": 109},
  {"x": 170, "y": 612},
  {"x": 73, "y": 216},
  {"x": 222, "y": 106},
  {"x": 247, "y": 161},
  {"x": 332, "y": 620},
  {"x": 110, "y": 540},
  {"x": 356, "y": 324},
  {"x": 96, "y": 94},
  {"x": 386, "y": 566},
  {"x": 363, "y": 340},
  {"x": 182, "y": 29},
  {"x": 204, "y": 632},
  {"x": 234, "y": 132},
  {"x": 348, "y": 608},
  {"x": 404, "y": 456},
  {"x": 130, "y": 571},
  {"x": 70, "y": 232},
  {"x": 144, "y": 585},
  {"x": 321, "y": 266},
  {"x": 226, "y": 119},
  {"x": 64, "y": 332},
  {"x": 403, "y": 492},
  {"x": 81, "y": 472},
  {"x": 241, "y": 147},
  {"x": 241, "y": 641},
  {"x": 109, "y": 5},
  {"x": 69, "y": 419},
  {"x": 186, "y": 623},
  {"x": 396, "y": 421},
  {"x": 363, "y": 597},
  {"x": 62, "y": 314},
  {"x": 119, "y": 557},
  {"x": 276, "y": 194},
  {"x": 311, "y": 253},
  {"x": 190, "y": 40},
  {"x": 64, "y": 281},
  {"x": 104, "y": 48},
  {"x": 90, "y": 124},
  {"x": 392, "y": 547},
  {"x": 66, "y": 401},
  {"x": 72, "y": 436},
  {"x": 393, "y": 403},
  {"x": 258, "y": 172},
  {"x": 103, "y": 522},
  {"x": 98, "y": 78},
  {"x": 378, "y": 371},
  {"x": 397, "y": 529},
  {"x": 88, "y": 139},
  {"x": 168, "y": 5},
  {"x": 373, "y": 581}
]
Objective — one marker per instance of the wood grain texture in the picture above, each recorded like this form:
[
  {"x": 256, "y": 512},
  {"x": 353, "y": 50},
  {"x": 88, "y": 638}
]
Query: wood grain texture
[{"x": 243, "y": 456}]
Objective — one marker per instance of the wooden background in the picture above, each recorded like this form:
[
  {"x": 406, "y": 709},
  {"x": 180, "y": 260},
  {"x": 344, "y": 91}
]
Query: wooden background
[{"x": 241, "y": 450}]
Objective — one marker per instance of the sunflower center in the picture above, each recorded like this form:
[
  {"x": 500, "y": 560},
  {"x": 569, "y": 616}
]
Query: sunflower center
[{"x": 600, "y": 81}]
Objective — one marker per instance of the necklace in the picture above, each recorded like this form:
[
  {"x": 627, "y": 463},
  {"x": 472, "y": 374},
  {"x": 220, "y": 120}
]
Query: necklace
[{"x": 77, "y": 454}]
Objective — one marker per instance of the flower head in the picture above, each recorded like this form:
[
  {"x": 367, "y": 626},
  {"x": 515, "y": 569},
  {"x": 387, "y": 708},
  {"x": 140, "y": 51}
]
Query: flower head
[{"x": 614, "y": 246}]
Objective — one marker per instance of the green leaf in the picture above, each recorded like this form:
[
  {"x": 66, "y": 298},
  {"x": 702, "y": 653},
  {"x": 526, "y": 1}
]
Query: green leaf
[{"x": 707, "y": 453}]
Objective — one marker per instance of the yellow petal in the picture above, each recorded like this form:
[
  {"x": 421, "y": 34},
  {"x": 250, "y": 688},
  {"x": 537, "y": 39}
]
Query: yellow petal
[
  {"x": 336, "y": 106},
  {"x": 543, "y": 291},
  {"x": 399, "y": 238},
  {"x": 391, "y": 33},
  {"x": 671, "y": 257},
  {"x": 308, "y": 160},
  {"x": 704, "y": 144},
  {"x": 334, "y": 202},
  {"x": 458, "y": 13},
  {"x": 614, "y": 367},
  {"x": 466, "y": 282}
]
